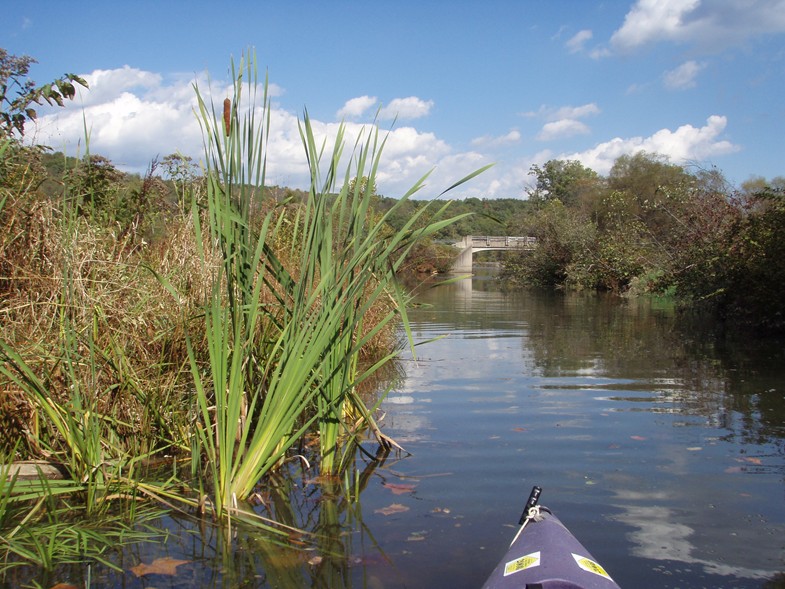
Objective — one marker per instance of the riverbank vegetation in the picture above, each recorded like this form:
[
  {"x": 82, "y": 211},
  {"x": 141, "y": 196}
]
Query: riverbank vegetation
[
  {"x": 200, "y": 324},
  {"x": 653, "y": 227}
]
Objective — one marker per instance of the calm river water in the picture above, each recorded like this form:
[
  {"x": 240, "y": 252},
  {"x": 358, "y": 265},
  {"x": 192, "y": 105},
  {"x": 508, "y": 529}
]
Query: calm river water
[{"x": 661, "y": 447}]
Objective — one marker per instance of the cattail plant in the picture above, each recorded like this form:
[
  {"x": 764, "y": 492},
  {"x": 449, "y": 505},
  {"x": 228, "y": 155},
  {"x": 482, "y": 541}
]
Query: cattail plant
[{"x": 284, "y": 343}]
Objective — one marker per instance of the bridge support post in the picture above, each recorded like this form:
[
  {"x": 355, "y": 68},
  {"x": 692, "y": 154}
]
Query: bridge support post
[{"x": 463, "y": 263}]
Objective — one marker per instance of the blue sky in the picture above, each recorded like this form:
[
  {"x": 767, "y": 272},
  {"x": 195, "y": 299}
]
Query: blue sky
[{"x": 514, "y": 83}]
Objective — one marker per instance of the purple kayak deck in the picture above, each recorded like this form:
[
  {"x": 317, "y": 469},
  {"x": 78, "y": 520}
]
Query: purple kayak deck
[{"x": 547, "y": 556}]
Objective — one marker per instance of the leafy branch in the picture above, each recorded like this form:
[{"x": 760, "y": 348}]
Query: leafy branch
[{"x": 18, "y": 93}]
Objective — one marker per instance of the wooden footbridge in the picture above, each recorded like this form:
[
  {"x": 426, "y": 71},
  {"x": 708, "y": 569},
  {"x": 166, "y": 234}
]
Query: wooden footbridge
[{"x": 474, "y": 243}]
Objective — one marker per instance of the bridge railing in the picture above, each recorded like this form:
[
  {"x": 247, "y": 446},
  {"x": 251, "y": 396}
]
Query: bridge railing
[{"x": 503, "y": 241}]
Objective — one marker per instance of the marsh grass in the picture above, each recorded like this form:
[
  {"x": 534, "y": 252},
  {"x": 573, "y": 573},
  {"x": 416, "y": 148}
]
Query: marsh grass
[{"x": 71, "y": 383}]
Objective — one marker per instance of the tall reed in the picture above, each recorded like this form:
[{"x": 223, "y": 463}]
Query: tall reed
[{"x": 283, "y": 343}]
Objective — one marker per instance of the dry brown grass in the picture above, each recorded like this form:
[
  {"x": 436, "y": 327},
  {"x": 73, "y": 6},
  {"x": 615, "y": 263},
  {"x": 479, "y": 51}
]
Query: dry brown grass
[
  {"x": 132, "y": 353},
  {"x": 130, "y": 349}
]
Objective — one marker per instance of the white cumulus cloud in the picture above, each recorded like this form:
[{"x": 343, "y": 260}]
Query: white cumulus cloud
[
  {"x": 561, "y": 129},
  {"x": 357, "y": 107},
  {"x": 563, "y": 121},
  {"x": 710, "y": 24},
  {"x": 406, "y": 108},
  {"x": 685, "y": 144},
  {"x": 578, "y": 41},
  {"x": 683, "y": 77},
  {"x": 653, "y": 20},
  {"x": 133, "y": 115}
]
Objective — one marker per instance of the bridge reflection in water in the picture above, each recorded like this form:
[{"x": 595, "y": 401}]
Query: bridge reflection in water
[{"x": 474, "y": 243}]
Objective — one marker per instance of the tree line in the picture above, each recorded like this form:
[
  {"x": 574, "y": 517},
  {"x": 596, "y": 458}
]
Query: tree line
[{"x": 653, "y": 227}]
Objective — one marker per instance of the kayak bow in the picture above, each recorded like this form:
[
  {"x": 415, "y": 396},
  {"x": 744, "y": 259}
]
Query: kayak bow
[{"x": 545, "y": 555}]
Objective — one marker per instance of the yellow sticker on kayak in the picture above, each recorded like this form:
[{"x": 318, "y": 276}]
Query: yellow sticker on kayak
[
  {"x": 588, "y": 564},
  {"x": 522, "y": 563}
]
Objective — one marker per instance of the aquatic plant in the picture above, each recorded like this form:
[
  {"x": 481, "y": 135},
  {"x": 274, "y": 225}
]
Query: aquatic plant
[{"x": 284, "y": 342}]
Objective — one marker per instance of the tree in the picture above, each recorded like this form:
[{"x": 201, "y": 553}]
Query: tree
[
  {"x": 18, "y": 93},
  {"x": 567, "y": 180},
  {"x": 647, "y": 179},
  {"x": 94, "y": 183},
  {"x": 182, "y": 172},
  {"x": 565, "y": 240}
]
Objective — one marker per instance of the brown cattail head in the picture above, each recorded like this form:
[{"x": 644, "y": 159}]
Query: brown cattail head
[{"x": 227, "y": 115}]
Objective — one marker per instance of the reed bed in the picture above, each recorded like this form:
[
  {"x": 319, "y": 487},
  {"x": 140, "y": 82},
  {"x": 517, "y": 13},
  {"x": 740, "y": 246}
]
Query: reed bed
[
  {"x": 254, "y": 325},
  {"x": 284, "y": 342}
]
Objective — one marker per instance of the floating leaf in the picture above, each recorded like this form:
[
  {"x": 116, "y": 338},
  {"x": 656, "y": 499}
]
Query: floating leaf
[
  {"x": 160, "y": 566},
  {"x": 64, "y": 586},
  {"x": 694, "y": 449},
  {"x": 399, "y": 488},
  {"x": 637, "y": 438},
  {"x": 391, "y": 509},
  {"x": 752, "y": 460},
  {"x": 519, "y": 429}
]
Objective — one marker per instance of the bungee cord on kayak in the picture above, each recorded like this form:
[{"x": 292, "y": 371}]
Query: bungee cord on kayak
[{"x": 545, "y": 555}]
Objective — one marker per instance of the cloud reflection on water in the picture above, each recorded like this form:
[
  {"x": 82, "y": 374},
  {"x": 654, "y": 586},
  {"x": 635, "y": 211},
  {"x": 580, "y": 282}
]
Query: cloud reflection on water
[{"x": 660, "y": 534}]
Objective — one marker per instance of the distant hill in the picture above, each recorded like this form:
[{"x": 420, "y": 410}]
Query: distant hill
[{"x": 488, "y": 216}]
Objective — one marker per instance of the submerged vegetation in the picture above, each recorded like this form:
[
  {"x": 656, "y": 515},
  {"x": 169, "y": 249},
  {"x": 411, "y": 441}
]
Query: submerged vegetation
[{"x": 217, "y": 349}]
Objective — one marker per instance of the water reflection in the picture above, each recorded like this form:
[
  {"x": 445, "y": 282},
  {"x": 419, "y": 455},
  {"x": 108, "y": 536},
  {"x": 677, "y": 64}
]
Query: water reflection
[
  {"x": 661, "y": 535},
  {"x": 660, "y": 444}
]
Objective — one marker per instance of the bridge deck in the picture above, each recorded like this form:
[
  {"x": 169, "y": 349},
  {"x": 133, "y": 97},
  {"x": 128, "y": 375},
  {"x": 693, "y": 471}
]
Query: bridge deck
[
  {"x": 477, "y": 243},
  {"x": 491, "y": 241}
]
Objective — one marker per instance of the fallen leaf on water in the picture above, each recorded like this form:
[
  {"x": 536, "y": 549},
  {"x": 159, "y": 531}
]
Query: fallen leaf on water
[
  {"x": 694, "y": 449},
  {"x": 417, "y": 536},
  {"x": 391, "y": 509},
  {"x": 752, "y": 460},
  {"x": 160, "y": 566},
  {"x": 399, "y": 488},
  {"x": 64, "y": 586},
  {"x": 441, "y": 510},
  {"x": 637, "y": 438},
  {"x": 519, "y": 429}
]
